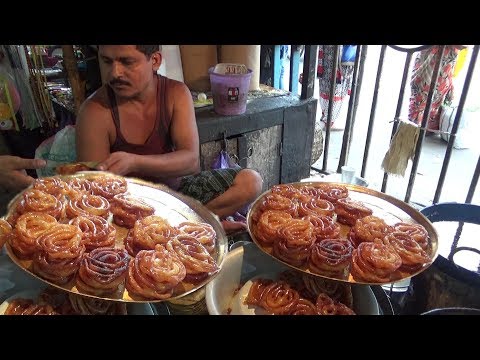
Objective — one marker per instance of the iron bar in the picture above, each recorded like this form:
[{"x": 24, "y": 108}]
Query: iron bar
[
  {"x": 349, "y": 122},
  {"x": 421, "y": 136},
  {"x": 361, "y": 70},
  {"x": 294, "y": 68},
  {"x": 408, "y": 60},
  {"x": 333, "y": 84},
  {"x": 372, "y": 111},
  {"x": 456, "y": 123},
  {"x": 276, "y": 65},
  {"x": 473, "y": 184},
  {"x": 309, "y": 71}
]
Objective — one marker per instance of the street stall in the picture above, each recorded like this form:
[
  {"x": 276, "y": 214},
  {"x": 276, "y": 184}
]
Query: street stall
[{"x": 90, "y": 242}]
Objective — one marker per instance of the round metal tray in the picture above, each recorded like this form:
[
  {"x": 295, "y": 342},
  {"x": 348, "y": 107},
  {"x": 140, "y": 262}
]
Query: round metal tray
[
  {"x": 170, "y": 205},
  {"x": 384, "y": 206}
]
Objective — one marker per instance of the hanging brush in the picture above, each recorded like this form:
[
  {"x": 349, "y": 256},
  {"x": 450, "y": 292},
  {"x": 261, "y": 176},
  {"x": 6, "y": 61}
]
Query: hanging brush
[{"x": 402, "y": 148}]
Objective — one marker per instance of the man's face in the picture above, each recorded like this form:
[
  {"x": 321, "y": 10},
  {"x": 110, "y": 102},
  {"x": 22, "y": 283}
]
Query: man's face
[{"x": 127, "y": 70}]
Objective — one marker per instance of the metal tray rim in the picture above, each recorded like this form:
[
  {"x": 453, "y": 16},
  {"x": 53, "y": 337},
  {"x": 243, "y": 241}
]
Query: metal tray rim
[
  {"x": 196, "y": 206},
  {"x": 416, "y": 215}
]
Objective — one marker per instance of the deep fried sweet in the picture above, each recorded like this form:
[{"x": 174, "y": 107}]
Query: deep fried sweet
[
  {"x": 127, "y": 209},
  {"x": 79, "y": 185},
  {"x": 86, "y": 205},
  {"x": 331, "y": 257},
  {"x": 28, "y": 307},
  {"x": 331, "y": 192},
  {"x": 349, "y": 211},
  {"x": 96, "y": 231},
  {"x": 82, "y": 305},
  {"x": 295, "y": 240},
  {"x": 109, "y": 186},
  {"x": 72, "y": 168},
  {"x": 198, "y": 262},
  {"x": 59, "y": 252},
  {"x": 279, "y": 298},
  {"x": 269, "y": 223},
  {"x": 324, "y": 227},
  {"x": 53, "y": 186},
  {"x": 149, "y": 232},
  {"x": 130, "y": 245},
  {"x": 412, "y": 255},
  {"x": 294, "y": 279},
  {"x": 310, "y": 191},
  {"x": 285, "y": 190},
  {"x": 28, "y": 228},
  {"x": 374, "y": 262},
  {"x": 315, "y": 206},
  {"x": 338, "y": 291},
  {"x": 416, "y": 231},
  {"x": 275, "y": 201},
  {"x": 5, "y": 230},
  {"x": 153, "y": 274},
  {"x": 327, "y": 306},
  {"x": 202, "y": 232},
  {"x": 103, "y": 271},
  {"x": 368, "y": 229},
  {"x": 39, "y": 201},
  {"x": 304, "y": 307}
]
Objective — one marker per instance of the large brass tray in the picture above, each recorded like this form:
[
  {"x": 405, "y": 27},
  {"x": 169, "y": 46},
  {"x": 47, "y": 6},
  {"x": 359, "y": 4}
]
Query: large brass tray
[
  {"x": 170, "y": 205},
  {"x": 384, "y": 206}
]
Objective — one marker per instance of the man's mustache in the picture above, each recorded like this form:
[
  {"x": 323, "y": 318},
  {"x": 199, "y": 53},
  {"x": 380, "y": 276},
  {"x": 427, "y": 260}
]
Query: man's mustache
[{"x": 118, "y": 82}]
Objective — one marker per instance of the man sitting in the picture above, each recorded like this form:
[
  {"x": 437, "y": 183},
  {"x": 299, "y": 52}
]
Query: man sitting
[{"x": 142, "y": 124}]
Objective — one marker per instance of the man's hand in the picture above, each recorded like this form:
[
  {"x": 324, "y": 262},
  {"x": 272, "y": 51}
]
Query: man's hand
[
  {"x": 12, "y": 171},
  {"x": 120, "y": 163}
]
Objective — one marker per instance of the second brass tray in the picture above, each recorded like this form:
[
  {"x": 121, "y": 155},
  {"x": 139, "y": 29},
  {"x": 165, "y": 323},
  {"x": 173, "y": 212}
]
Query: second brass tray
[{"x": 384, "y": 206}]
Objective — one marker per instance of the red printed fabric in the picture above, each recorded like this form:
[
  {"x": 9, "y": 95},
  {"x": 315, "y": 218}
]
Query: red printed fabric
[{"x": 420, "y": 84}]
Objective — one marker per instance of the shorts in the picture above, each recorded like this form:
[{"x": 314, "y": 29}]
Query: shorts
[{"x": 207, "y": 185}]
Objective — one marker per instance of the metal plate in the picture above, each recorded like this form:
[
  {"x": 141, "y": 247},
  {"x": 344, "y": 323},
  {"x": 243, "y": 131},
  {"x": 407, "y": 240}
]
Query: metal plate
[
  {"x": 168, "y": 204},
  {"x": 32, "y": 294},
  {"x": 224, "y": 294},
  {"x": 386, "y": 207}
]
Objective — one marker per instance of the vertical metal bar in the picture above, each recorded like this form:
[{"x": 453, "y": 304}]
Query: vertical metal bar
[
  {"x": 408, "y": 60},
  {"x": 242, "y": 151},
  {"x": 372, "y": 111},
  {"x": 309, "y": 71},
  {"x": 276, "y": 64},
  {"x": 361, "y": 70},
  {"x": 333, "y": 84},
  {"x": 349, "y": 122},
  {"x": 456, "y": 122},
  {"x": 421, "y": 136},
  {"x": 294, "y": 69},
  {"x": 473, "y": 184}
]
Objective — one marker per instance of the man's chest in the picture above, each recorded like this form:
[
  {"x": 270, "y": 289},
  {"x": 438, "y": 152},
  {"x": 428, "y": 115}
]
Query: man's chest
[{"x": 136, "y": 124}]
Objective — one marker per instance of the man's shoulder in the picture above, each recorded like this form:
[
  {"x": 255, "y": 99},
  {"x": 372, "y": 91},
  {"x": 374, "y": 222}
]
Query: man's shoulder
[
  {"x": 174, "y": 84},
  {"x": 95, "y": 109},
  {"x": 100, "y": 96},
  {"x": 98, "y": 101}
]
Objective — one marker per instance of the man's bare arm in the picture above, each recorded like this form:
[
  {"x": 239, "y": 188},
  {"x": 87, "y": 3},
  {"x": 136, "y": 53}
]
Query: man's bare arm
[{"x": 92, "y": 138}]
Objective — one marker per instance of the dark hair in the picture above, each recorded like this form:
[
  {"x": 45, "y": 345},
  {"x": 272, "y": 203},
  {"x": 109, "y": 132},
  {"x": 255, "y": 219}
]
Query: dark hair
[{"x": 148, "y": 50}]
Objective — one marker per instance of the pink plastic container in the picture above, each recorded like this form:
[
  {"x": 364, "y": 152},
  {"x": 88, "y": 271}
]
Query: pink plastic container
[{"x": 230, "y": 92}]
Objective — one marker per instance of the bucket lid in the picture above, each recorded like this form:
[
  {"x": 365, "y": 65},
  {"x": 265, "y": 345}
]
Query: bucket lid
[{"x": 230, "y": 69}]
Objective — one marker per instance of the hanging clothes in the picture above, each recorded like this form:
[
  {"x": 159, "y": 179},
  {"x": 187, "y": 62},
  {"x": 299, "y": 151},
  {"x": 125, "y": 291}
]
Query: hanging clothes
[
  {"x": 420, "y": 84},
  {"x": 343, "y": 79}
]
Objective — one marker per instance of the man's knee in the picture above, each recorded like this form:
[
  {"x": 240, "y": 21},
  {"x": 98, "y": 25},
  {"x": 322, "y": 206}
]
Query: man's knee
[{"x": 250, "y": 182}]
